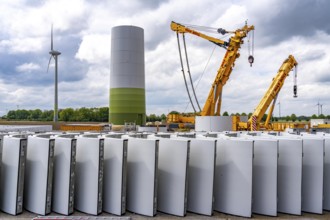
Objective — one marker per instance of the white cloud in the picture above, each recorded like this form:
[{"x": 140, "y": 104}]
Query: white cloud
[
  {"x": 234, "y": 17},
  {"x": 93, "y": 52},
  {"x": 21, "y": 45},
  {"x": 27, "y": 67},
  {"x": 25, "y": 97}
]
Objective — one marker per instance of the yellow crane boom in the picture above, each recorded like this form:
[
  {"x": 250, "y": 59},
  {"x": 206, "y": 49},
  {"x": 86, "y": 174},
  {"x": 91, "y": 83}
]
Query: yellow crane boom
[
  {"x": 181, "y": 29},
  {"x": 212, "y": 105},
  {"x": 270, "y": 96}
]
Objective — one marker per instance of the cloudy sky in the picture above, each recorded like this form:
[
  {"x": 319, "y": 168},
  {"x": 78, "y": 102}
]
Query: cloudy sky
[{"x": 82, "y": 33}]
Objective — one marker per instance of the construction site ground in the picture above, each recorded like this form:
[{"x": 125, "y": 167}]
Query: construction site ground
[{"x": 129, "y": 215}]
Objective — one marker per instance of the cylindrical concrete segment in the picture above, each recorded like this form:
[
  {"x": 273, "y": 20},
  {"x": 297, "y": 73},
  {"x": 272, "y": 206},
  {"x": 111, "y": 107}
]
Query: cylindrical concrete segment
[{"x": 127, "y": 80}]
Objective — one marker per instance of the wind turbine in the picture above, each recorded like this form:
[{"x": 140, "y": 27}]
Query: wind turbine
[
  {"x": 321, "y": 105},
  {"x": 279, "y": 109},
  {"x": 318, "y": 108},
  {"x": 54, "y": 54}
]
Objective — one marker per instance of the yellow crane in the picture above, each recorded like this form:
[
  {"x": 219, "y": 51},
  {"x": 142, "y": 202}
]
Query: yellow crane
[
  {"x": 212, "y": 105},
  {"x": 269, "y": 97}
]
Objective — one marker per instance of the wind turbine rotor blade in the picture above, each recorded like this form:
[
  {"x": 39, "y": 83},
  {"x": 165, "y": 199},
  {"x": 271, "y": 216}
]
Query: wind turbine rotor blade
[
  {"x": 50, "y": 58},
  {"x": 51, "y": 39}
]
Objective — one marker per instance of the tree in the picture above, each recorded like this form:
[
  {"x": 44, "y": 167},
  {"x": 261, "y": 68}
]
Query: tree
[
  {"x": 35, "y": 114},
  {"x": 47, "y": 115},
  {"x": 84, "y": 114},
  {"x": 66, "y": 114},
  {"x": 94, "y": 114},
  {"x": 314, "y": 116},
  {"x": 11, "y": 114},
  {"x": 288, "y": 118},
  {"x": 104, "y": 114},
  {"x": 293, "y": 117},
  {"x": 152, "y": 118},
  {"x": 163, "y": 117},
  {"x": 22, "y": 114},
  {"x": 225, "y": 114},
  {"x": 303, "y": 118},
  {"x": 321, "y": 116},
  {"x": 243, "y": 114}
]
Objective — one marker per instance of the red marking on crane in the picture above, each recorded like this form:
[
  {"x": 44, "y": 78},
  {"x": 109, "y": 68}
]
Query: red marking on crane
[
  {"x": 196, "y": 33},
  {"x": 254, "y": 123}
]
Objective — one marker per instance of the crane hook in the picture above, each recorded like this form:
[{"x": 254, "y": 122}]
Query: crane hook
[
  {"x": 251, "y": 48},
  {"x": 251, "y": 59},
  {"x": 295, "y": 87}
]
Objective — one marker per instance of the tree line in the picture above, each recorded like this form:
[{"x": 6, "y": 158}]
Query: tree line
[
  {"x": 102, "y": 115},
  {"x": 292, "y": 117},
  {"x": 67, "y": 114},
  {"x": 70, "y": 115}
]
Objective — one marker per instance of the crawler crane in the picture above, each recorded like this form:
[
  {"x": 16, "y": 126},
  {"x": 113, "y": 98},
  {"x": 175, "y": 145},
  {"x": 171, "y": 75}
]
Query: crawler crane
[
  {"x": 254, "y": 122},
  {"x": 212, "y": 105}
]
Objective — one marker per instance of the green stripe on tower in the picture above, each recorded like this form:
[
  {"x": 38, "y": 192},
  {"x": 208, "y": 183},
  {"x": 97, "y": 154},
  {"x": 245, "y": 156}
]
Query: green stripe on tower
[{"x": 127, "y": 105}]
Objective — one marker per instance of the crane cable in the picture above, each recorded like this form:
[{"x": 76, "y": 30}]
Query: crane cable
[
  {"x": 206, "y": 66},
  {"x": 202, "y": 28},
  {"x": 206, "y": 29},
  {"x": 200, "y": 78},
  {"x": 188, "y": 69},
  {"x": 251, "y": 47},
  {"x": 183, "y": 73}
]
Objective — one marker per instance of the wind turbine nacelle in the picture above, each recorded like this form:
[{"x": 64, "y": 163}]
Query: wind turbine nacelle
[{"x": 54, "y": 53}]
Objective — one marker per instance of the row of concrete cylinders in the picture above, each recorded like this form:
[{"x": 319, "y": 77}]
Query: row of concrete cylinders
[{"x": 169, "y": 173}]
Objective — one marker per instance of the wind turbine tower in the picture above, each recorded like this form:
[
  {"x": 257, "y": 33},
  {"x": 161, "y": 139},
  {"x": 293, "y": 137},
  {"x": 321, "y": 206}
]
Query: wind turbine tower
[
  {"x": 321, "y": 105},
  {"x": 279, "y": 109},
  {"x": 54, "y": 54},
  {"x": 318, "y": 108}
]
